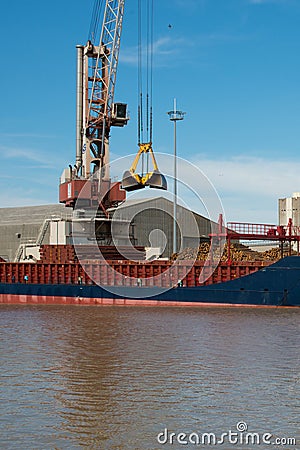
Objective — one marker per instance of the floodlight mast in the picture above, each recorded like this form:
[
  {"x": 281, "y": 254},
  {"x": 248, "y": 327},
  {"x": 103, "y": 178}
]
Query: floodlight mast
[{"x": 174, "y": 116}]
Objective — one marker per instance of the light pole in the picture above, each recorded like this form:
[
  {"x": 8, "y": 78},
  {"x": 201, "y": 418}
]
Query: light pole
[{"x": 174, "y": 116}]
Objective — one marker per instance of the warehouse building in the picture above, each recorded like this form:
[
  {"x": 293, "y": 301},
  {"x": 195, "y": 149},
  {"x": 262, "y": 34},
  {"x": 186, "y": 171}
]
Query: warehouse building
[
  {"x": 153, "y": 224},
  {"x": 150, "y": 221},
  {"x": 27, "y": 227}
]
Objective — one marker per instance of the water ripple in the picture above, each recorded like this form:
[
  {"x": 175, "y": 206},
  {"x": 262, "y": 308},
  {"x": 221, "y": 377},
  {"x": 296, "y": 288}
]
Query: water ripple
[{"x": 113, "y": 378}]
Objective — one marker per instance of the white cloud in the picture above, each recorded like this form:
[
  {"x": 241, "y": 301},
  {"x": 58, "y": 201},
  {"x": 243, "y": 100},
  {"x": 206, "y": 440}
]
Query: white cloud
[
  {"x": 250, "y": 187},
  {"x": 19, "y": 196},
  {"x": 191, "y": 4},
  {"x": 251, "y": 174},
  {"x": 24, "y": 154},
  {"x": 261, "y": 2},
  {"x": 9, "y": 152},
  {"x": 27, "y": 135},
  {"x": 163, "y": 46}
]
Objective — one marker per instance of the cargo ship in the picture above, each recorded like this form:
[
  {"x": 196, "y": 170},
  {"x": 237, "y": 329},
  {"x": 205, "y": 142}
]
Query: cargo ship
[
  {"x": 277, "y": 285},
  {"x": 70, "y": 274},
  {"x": 119, "y": 282}
]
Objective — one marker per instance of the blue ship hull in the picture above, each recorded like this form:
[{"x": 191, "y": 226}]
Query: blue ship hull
[{"x": 275, "y": 285}]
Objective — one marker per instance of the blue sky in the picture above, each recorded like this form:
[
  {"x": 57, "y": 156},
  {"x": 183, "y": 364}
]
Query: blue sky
[{"x": 233, "y": 66}]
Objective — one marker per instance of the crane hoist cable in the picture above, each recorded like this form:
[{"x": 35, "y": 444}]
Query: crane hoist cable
[
  {"x": 131, "y": 179},
  {"x": 94, "y": 25},
  {"x": 145, "y": 98}
]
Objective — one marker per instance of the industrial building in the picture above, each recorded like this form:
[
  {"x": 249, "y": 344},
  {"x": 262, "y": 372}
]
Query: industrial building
[
  {"x": 153, "y": 224},
  {"x": 289, "y": 208},
  {"x": 24, "y": 229}
]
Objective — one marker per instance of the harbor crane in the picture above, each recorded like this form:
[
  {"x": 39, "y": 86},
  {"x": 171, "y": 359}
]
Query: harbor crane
[{"x": 96, "y": 113}]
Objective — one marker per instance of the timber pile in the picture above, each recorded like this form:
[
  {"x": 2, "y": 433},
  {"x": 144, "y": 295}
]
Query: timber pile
[{"x": 238, "y": 252}]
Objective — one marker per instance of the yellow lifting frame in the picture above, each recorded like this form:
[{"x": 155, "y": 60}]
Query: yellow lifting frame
[{"x": 143, "y": 148}]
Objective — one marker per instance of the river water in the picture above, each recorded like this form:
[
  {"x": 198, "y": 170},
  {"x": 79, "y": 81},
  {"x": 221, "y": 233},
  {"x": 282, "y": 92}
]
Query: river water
[{"x": 127, "y": 378}]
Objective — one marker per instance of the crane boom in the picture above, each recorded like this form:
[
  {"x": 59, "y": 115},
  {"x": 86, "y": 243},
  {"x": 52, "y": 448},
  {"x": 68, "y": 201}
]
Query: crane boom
[
  {"x": 103, "y": 73},
  {"x": 96, "y": 111}
]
